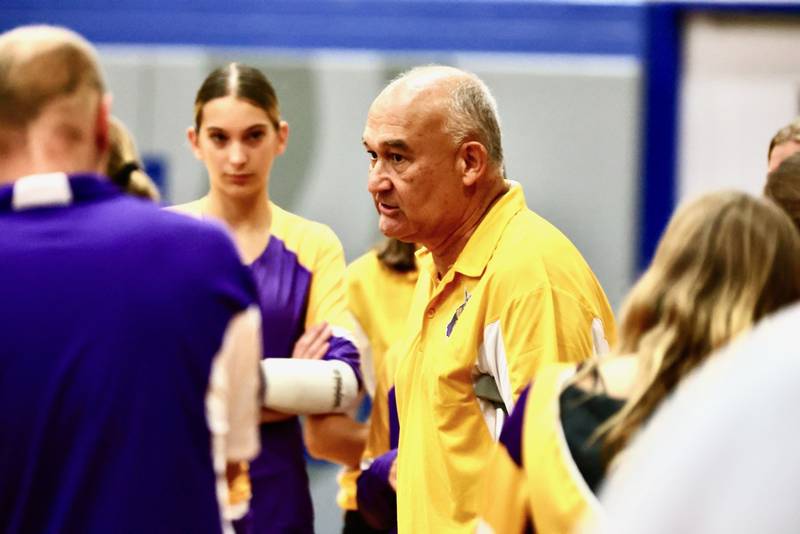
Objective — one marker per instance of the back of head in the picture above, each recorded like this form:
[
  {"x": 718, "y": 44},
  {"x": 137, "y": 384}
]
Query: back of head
[
  {"x": 790, "y": 132},
  {"x": 783, "y": 187},
  {"x": 725, "y": 261},
  {"x": 785, "y": 142},
  {"x": 51, "y": 89},
  {"x": 124, "y": 166}
]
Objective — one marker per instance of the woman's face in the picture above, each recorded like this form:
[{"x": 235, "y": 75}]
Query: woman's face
[{"x": 238, "y": 143}]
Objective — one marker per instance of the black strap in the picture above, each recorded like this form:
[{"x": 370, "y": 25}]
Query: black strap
[{"x": 486, "y": 389}]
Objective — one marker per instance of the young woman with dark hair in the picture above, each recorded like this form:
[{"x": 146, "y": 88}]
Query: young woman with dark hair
[{"x": 298, "y": 266}]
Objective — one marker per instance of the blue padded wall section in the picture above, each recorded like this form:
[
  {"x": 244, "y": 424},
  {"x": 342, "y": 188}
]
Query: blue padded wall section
[
  {"x": 488, "y": 25},
  {"x": 661, "y": 81}
]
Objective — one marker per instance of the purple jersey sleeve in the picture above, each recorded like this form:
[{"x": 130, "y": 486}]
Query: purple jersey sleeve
[
  {"x": 394, "y": 420},
  {"x": 377, "y": 500},
  {"x": 511, "y": 436},
  {"x": 342, "y": 348}
]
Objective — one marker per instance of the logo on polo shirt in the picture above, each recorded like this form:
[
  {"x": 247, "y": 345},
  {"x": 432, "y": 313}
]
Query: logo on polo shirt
[{"x": 457, "y": 314}]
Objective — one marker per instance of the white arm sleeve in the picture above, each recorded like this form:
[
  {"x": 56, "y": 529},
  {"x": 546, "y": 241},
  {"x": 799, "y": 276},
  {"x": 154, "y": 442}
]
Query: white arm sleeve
[{"x": 309, "y": 387}]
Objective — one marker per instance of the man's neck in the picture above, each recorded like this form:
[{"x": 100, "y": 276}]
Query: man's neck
[
  {"x": 11, "y": 171},
  {"x": 15, "y": 158},
  {"x": 446, "y": 252},
  {"x": 8, "y": 177}
]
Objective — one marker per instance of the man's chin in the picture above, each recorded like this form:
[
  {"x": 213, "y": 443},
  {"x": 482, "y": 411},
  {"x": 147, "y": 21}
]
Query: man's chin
[{"x": 393, "y": 230}]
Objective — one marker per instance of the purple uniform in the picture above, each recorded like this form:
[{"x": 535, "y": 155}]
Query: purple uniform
[
  {"x": 300, "y": 281},
  {"x": 111, "y": 314}
]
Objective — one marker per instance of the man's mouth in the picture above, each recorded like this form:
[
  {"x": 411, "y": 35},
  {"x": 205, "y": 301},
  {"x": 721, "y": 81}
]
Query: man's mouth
[{"x": 385, "y": 208}]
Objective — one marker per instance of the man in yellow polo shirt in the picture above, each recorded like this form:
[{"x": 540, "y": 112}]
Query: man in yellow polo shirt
[{"x": 500, "y": 291}]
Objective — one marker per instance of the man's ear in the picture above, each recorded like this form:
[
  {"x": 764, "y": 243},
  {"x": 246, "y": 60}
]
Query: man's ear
[
  {"x": 474, "y": 161},
  {"x": 102, "y": 137},
  {"x": 191, "y": 135}
]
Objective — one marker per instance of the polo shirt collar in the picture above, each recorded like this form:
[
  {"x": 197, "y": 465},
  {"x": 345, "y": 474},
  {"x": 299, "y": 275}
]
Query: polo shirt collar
[
  {"x": 54, "y": 190},
  {"x": 473, "y": 259}
]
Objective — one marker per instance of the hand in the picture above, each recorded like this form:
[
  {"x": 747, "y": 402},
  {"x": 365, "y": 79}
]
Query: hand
[
  {"x": 313, "y": 344},
  {"x": 393, "y": 475}
]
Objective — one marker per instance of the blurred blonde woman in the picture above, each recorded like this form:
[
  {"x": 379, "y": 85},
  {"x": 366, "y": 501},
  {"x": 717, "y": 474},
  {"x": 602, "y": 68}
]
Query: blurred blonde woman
[
  {"x": 724, "y": 262},
  {"x": 124, "y": 166}
]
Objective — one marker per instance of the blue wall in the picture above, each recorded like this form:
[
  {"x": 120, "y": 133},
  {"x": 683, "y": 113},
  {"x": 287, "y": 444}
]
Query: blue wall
[{"x": 384, "y": 25}]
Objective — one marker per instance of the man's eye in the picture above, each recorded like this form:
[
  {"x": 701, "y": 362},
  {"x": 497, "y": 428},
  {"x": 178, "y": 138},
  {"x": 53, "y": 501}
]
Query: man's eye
[
  {"x": 397, "y": 158},
  {"x": 372, "y": 155}
]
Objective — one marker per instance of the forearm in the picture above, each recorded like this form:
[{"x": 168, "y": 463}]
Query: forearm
[
  {"x": 336, "y": 438},
  {"x": 273, "y": 416}
]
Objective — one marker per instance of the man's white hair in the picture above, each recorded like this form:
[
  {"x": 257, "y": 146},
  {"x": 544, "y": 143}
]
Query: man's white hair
[{"x": 471, "y": 108}]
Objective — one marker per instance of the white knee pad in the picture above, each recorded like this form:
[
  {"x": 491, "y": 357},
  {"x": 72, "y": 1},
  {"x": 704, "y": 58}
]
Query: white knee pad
[{"x": 308, "y": 387}]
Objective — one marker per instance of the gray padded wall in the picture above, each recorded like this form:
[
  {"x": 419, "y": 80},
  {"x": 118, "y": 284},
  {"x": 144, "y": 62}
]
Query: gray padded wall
[{"x": 570, "y": 135}]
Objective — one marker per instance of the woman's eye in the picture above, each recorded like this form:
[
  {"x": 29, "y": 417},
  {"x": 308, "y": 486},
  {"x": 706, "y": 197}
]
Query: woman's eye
[
  {"x": 218, "y": 137},
  {"x": 255, "y": 136}
]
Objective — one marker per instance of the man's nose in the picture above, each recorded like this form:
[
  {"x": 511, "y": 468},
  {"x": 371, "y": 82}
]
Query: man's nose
[{"x": 378, "y": 181}]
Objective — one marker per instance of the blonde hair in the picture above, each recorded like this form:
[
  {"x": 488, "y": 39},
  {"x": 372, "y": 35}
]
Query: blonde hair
[
  {"x": 39, "y": 64},
  {"x": 724, "y": 261},
  {"x": 124, "y": 166}
]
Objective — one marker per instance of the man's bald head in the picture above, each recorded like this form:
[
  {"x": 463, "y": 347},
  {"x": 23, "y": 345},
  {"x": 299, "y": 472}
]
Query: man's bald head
[
  {"x": 427, "y": 78},
  {"x": 469, "y": 109},
  {"x": 52, "y": 107}
]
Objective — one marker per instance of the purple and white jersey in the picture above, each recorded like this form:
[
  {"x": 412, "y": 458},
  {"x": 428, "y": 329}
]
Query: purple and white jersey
[
  {"x": 300, "y": 281},
  {"x": 111, "y": 314}
]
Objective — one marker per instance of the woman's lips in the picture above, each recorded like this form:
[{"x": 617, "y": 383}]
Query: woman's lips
[{"x": 240, "y": 178}]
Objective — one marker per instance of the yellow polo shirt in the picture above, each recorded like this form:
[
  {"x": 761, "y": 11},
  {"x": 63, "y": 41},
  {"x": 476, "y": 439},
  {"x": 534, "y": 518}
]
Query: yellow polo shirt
[
  {"x": 378, "y": 298},
  {"x": 519, "y": 295}
]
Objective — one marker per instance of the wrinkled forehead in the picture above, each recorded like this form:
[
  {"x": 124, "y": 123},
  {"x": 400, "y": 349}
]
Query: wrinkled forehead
[{"x": 407, "y": 109}]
